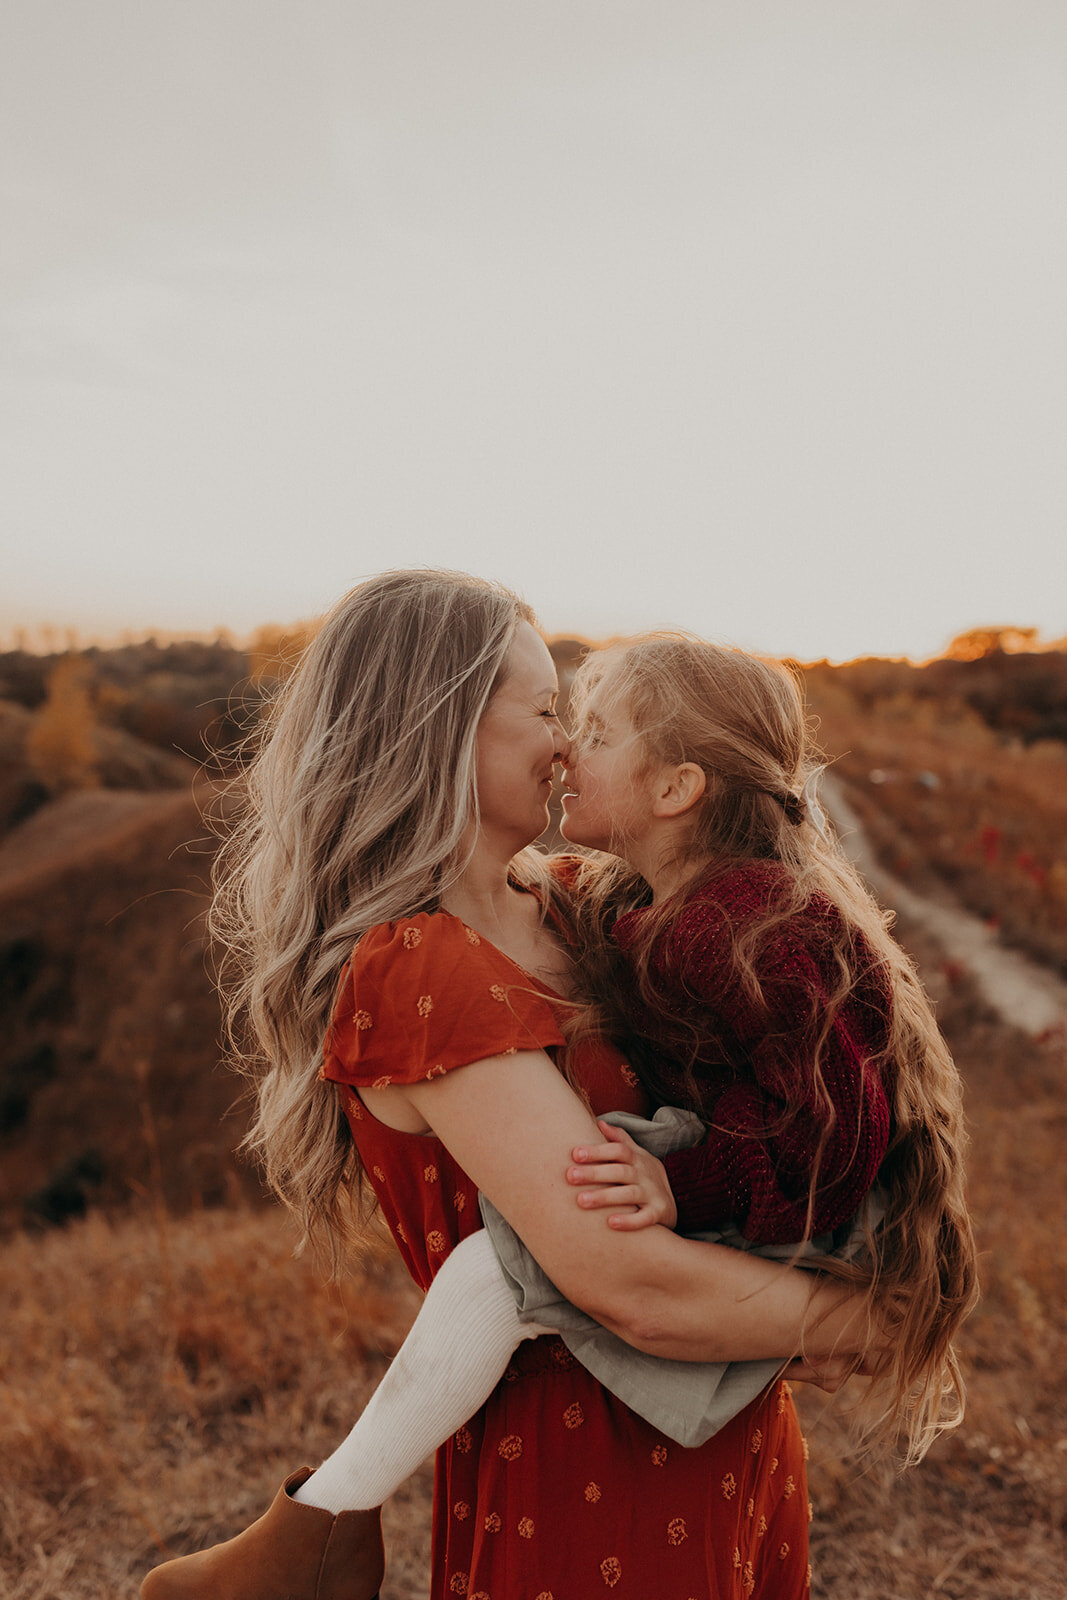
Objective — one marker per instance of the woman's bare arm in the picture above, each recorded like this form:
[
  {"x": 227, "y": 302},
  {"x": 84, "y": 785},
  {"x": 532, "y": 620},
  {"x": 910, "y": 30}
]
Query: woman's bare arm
[{"x": 510, "y": 1120}]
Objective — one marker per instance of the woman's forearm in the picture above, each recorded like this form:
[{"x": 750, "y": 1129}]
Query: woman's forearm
[{"x": 706, "y": 1302}]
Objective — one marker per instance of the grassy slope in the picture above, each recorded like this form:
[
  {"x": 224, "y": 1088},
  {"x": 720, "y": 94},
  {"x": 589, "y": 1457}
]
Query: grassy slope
[
  {"x": 103, "y": 978},
  {"x": 161, "y": 1373},
  {"x": 159, "y": 1376}
]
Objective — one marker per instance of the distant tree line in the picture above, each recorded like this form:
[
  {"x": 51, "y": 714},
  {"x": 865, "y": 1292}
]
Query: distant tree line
[
  {"x": 1021, "y": 695},
  {"x": 198, "y": 699}
]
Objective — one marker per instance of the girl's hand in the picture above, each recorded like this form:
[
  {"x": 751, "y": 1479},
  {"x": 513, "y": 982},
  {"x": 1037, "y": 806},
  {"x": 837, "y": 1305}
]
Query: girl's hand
[{"x": 620, "y": 1173}]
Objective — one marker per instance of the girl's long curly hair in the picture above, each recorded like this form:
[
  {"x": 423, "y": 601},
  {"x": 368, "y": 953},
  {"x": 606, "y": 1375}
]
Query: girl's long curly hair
[
  {"x": 356, "y": 805},
  {"x": 741, "y": 718}
]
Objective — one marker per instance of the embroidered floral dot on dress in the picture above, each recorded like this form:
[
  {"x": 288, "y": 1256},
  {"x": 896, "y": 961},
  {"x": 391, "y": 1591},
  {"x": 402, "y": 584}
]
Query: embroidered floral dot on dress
[{"x": 611, "y": 1570}]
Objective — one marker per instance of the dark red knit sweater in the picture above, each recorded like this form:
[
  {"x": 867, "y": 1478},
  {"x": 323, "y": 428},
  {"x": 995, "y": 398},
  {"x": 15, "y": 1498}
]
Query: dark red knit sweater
[{"x": 754, "y": 1066}]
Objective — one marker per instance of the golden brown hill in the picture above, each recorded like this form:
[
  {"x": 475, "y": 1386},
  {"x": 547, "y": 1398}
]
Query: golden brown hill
[
  {"x": 109, "y": 1050},
  {"x": 108, "y": 757}
]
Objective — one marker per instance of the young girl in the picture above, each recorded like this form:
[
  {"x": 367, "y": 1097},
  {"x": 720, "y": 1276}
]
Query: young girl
[
  {"x": 779, "y": 1006},
  {"x": 729, "y": 945}
]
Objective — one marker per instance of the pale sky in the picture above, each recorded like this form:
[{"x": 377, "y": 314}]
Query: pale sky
[{"x": 748, "y": 318}]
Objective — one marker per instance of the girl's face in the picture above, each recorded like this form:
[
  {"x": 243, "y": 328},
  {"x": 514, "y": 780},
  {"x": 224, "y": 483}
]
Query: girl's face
[
  {"x": 519, "y": 741},
  {"x": 608, "y": 800}
]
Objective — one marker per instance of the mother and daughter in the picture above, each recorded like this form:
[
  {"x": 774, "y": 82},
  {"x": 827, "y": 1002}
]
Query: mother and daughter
[{"x": 436, "y": 1013}]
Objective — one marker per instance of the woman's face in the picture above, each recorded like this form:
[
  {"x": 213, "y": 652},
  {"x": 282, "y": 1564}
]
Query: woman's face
[
  {"x": 519, "y": 741},
  {"x": 607, "y": 799}
]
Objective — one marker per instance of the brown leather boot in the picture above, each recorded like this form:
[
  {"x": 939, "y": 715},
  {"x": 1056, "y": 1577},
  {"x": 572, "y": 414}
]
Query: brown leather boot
[{"x": 293, "y": 1552}]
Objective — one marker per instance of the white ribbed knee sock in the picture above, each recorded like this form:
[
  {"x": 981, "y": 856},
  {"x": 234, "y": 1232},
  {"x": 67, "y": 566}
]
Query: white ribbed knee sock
[{"x": 449, "y": 1364}]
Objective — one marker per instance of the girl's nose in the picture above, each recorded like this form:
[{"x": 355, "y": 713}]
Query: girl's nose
[{"x": 563, "y": 745}]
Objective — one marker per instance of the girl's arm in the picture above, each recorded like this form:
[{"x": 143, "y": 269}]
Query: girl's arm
[{"x": 505, "y": 1121}]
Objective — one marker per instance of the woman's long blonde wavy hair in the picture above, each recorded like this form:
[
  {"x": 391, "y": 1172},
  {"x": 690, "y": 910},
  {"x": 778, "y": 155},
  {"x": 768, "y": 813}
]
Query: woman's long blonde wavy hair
[
  {"x": 741, "y": 718},
  {"x": 356, "y": 805}
]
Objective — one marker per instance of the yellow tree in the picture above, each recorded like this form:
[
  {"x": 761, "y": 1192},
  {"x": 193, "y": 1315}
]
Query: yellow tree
[
  {"x": 61, "y": 745},
  {"x": 979, "y": 642}
]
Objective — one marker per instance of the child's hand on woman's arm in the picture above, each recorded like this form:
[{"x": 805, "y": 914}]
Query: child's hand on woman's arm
[{"x": 620, "y": 1173}]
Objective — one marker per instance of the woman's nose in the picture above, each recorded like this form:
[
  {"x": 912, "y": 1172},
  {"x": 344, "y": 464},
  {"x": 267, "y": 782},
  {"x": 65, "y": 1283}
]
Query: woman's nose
[{"x": 564, "y": 747}]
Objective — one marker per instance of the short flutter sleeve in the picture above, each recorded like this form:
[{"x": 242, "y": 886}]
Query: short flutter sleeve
[{"x": 426, "y": 994}]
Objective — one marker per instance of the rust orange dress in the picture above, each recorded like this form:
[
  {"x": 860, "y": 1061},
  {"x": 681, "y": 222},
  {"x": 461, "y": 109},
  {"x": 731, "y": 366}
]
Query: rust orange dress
[{"x": 554, "y": 1490}]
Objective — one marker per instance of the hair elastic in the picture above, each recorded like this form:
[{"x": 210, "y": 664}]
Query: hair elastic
[
  {"x": 803, "y": 807},
  {"x": 791, "y": 804}
]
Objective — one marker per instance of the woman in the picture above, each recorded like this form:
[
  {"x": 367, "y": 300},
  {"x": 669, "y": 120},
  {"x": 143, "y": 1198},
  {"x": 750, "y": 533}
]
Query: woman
[{"x": 404, "y": 771}]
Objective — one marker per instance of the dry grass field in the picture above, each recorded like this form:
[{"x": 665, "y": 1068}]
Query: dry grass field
[
  {"x": 162, "y": 1374},
  {"x": 165, "y": 1360},
  {"x": 157, "y": 1378}
]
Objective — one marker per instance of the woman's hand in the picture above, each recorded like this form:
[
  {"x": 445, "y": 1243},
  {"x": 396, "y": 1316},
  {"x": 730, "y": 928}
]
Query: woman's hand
[
  {"x": 828, "y": 1374},
  {"x": 620, "y": 1173}
]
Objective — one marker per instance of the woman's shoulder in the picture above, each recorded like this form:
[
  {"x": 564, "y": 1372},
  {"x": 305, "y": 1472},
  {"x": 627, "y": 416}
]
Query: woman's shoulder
[
  {"x": 426, "y": 993},
  {"x": 404, "y": 946},
  {"x": 431, "y": 956}
]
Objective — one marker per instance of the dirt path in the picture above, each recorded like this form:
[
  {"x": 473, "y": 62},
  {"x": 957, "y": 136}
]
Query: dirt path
[{"x": 1024, "y": 994}]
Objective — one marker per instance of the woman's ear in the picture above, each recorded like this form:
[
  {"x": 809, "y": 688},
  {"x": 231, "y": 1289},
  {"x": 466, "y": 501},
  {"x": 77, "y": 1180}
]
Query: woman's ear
[{"x": 679, "y": 790}]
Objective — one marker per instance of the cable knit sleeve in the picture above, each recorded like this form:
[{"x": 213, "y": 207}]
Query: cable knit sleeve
[{"x": 765, "y": 1127}]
